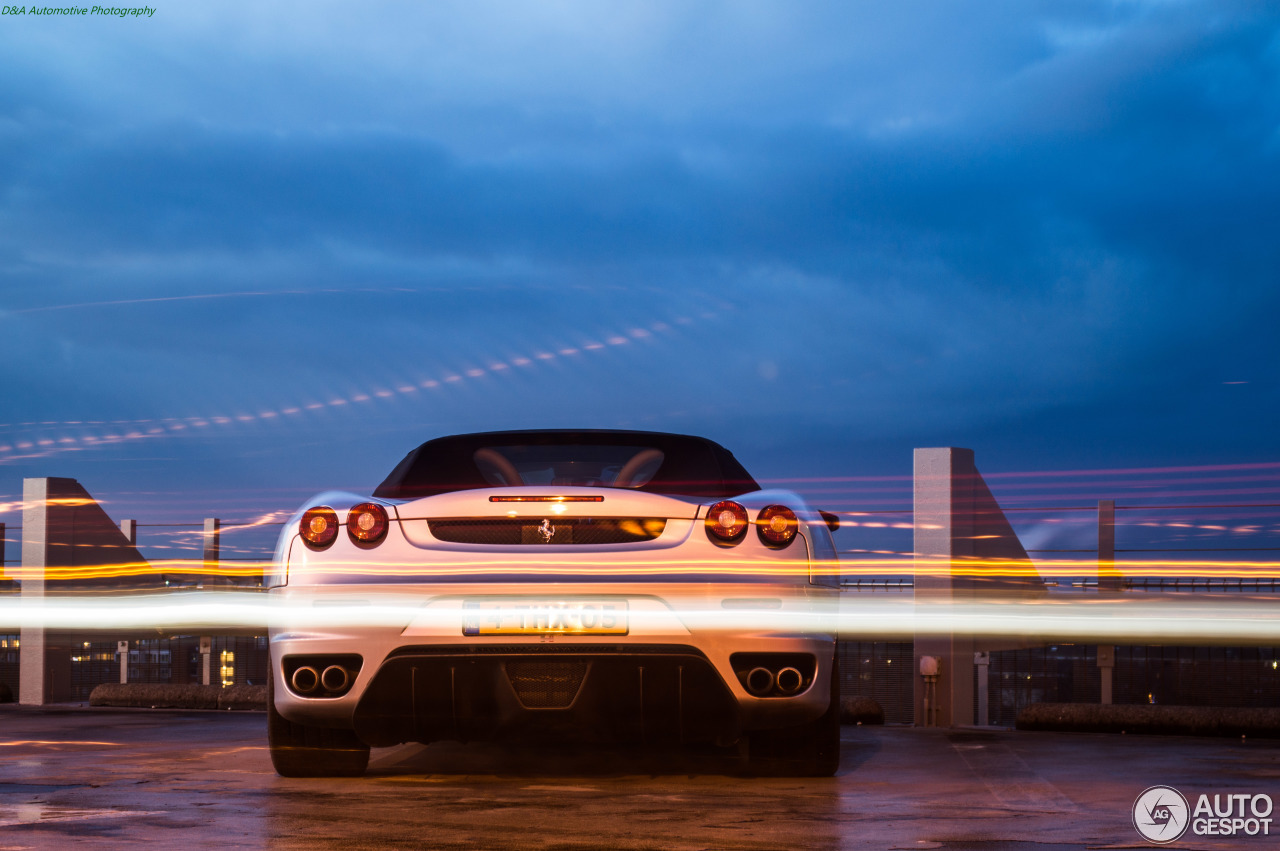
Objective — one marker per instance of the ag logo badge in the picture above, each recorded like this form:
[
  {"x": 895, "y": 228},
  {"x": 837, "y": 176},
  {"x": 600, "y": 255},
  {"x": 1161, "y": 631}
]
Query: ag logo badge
[{"x": 1161, "y": 814}]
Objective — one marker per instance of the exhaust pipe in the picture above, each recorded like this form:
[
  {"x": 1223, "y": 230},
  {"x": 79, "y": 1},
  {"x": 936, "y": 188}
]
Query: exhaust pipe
[
  {"x": 759, "y": 681},
  {"x": 335, "y": 678},
  {"x": 305, "y": 680},
  {"x": 789, "y": 681}
]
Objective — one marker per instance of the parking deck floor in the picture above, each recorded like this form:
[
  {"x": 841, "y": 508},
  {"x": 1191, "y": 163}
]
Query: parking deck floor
[{"x": 102, "y": 778}]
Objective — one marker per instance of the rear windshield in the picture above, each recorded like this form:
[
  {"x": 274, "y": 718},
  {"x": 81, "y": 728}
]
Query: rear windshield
[{"x": 646, "y": 461}]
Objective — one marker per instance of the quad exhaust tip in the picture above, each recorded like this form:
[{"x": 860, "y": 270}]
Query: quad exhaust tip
[
  {"x": 789, "y": 680},
  {"x": 321, "y": 676},
  {"x": 305, "y": 680},
  {"x": 335, "y": 678},
  {"x": 759, "y": 681}
]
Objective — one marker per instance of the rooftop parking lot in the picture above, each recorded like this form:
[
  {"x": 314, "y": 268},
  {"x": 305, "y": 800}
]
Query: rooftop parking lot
[{"x": 104, "y": 778}]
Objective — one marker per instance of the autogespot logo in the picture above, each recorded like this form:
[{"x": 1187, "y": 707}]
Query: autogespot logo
[{"x": 1160, "y": 814}]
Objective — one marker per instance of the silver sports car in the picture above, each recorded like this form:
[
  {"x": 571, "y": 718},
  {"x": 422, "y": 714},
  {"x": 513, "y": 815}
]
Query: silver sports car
[{"x": 615, "y": 585}]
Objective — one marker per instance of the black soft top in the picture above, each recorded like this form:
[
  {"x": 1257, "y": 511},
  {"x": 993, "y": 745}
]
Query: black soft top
[{"x": 689, "y": 466}]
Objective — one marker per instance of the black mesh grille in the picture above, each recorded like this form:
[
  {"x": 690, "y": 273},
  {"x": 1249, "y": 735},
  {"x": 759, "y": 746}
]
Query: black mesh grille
[
  {"x": 544, "y": 684},
  {"x": 882, "y": 671},
  {"x": 652, "y": 693},
  {"x": 524, "y": 530}
]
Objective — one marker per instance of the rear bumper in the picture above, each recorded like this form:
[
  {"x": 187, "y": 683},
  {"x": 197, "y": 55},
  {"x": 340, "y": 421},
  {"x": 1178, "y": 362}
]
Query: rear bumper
[{"x": 668, "y": 680}]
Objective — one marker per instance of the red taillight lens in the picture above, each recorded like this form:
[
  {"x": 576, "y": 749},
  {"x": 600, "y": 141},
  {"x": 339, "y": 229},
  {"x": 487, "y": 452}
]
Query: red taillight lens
[
  {"x": 319, "y": 526},
  {"x": 777, "y": 525},
  {"x": 367, "y": 523},
  {"x": 726, "y": 522}
]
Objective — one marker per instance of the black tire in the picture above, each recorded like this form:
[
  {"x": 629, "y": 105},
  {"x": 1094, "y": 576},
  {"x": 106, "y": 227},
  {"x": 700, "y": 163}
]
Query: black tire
[
  {"x": 807, "y": 750},
  {"x": 301, "y": 751}
]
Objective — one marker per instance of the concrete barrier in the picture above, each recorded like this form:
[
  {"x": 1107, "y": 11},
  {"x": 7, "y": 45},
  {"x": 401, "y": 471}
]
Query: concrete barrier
[
  {"x": 243, "y": 697},
  {"x": 860, "y": 710},
  {"x": 1152, "y": 720},
  {"x": 162, "y": 696}
]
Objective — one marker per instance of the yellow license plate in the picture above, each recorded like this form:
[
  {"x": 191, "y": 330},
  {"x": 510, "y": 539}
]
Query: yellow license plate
[{"x": 544, "y": 617}]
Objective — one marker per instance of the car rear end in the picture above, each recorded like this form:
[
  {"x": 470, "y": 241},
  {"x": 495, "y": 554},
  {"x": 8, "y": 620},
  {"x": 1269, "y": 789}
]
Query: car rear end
[
  {"x": 659, "y": 597},
  {"x": 535, "y": 611}
]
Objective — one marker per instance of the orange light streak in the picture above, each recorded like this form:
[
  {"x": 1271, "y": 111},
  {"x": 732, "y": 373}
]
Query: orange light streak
[
  {"x": 919, "y": 566},
  {"x": 26, "y": 742},
  {"x": 139, "y": 568},
  {"x": 67, "y": 502}
]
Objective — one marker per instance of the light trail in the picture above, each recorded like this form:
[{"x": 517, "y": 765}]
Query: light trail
[
  {"x": 40, "y": 446},
  {"x": 1066, "y": 490},
  {"x": 29, "y": 742},
  {"x": 155, "y": 568},
  {"x": 1146, "y": 619},
  {"x": 1101, "y": 471},
  {"x": 481, "y": 565},
  {"x": 68, "y": 502},
  {"x": 201, "y": 297}
]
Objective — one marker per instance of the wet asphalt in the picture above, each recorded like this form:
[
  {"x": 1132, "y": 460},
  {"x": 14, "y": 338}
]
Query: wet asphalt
[{"x": 75, "y": 777}]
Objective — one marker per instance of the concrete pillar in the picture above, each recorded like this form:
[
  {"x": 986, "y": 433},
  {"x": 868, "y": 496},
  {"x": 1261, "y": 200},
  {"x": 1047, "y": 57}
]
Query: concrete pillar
[
  {"x": 1107, "y": 666},
  {"x": 37, "y": 660},
  {"x": 206, "y": 650},
  {"x": 1109, "y": 579},
  {"x": 965, "y": 550},
  {"x": 212, "y": 550},
  {"x": 122, "y": 650},
  {"x": 982, "y": 661},
  {"x": 941, "y": 528},
  {"x": 212, "y": 541},
  {"x": 62, "y": 527}
]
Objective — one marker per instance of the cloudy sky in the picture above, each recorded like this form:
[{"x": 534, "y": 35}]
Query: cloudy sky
[{"x": 253, "y": 250}]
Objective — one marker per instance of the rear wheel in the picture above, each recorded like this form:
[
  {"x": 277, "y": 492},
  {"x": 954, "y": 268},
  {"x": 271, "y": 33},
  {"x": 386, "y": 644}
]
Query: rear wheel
[
  {"x": 807, "y": 750},
  {"x": 301, "y": 751}
]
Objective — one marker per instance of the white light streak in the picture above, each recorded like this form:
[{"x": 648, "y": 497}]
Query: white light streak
[{"x": 1132, "y": 619}]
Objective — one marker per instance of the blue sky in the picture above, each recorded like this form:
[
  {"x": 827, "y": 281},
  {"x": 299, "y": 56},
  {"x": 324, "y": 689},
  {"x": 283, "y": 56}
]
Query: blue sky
[{"x": 822, "y": 234}]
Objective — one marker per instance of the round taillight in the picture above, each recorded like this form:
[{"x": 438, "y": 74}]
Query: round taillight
[
  {"x": 726, "y": 522},
  {"x": 367, "y": 523},
  {"x": 319, "y": 526},
  {"x": 777, "y": 525}
]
